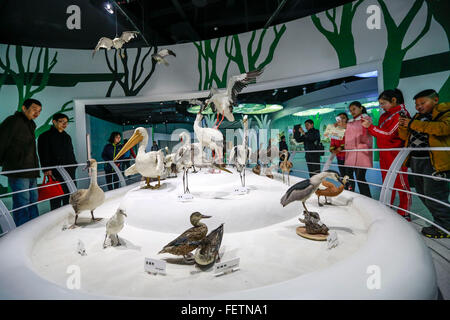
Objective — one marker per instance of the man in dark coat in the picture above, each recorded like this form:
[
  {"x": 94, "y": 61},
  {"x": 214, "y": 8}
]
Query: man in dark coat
[
  {"x": 55, "y": 149},
  {"x": 18, "y": 152},
  {"x": 311, "y": 140}
]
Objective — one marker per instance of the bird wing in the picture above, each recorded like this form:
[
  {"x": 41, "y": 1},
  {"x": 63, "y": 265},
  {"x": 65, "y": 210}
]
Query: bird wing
[
  {"x": 233, "y": 154},
  {"x": 166, "y": 52},
  {"x": 131, "y": 170},
  {"x": 76, "y": 197},
  {"x": 104, "y": 42},
  {"x": 237, "y": 83},
  {"x": 128, "y": 35}
]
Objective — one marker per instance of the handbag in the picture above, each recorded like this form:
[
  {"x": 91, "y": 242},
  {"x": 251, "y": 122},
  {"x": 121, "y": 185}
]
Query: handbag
[{"x": 52, "y": 188}]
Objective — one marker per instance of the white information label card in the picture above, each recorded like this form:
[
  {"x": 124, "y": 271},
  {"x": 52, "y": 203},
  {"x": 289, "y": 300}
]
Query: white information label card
[
  {"x": 185, "y": 197},
  {"x": 241, "y": 190},
  {"x": 155, "y": 266},
  {"x": 225, "y": 267},
  {"x": 332, "y": 240}
]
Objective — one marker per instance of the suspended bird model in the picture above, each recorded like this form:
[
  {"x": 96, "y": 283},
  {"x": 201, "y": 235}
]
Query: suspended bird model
[
  {"x": 222, "y": 101},
  {"x": 240, "y": 154},
  {"x": 159, "y": 57},
  {"x": 114, "y": 226},
  {"x": 303, "y": 190},
  {"x": 286, "y": 165},
  {"x": 208, "y": 249},
  {"x": 88, "y": 199},
  {"x": 328, "y": 189},
  {"x": 115, "y": 43},
  {"x": 188, "y": 240},
  {"x": 148, "y": 164}
]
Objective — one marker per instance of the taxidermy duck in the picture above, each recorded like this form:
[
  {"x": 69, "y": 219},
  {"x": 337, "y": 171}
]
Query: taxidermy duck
[
  {"x": 285, "y": 165},
  {"x": 116, "y": 43},
  {"x": 328, "y": 189},
  {"x": 208, "y": 249},
  {"x": 114, "y": 226},
  {"x": 257, "y": 169},
  {"x": 240, "y": 154},
  {"x": 222, "y": 101},
  {"x": 189, "y": 239},
  {"x": 88, "y": 199},
  {"x": 148, "y": 164}
]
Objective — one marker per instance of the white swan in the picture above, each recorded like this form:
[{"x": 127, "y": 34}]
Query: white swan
[
  {"x": 148, "y": 164},
  {"x": 88, "y": 199}
]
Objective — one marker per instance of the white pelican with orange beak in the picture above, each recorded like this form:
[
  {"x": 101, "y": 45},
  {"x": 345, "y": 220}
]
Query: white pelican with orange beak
[{"x": 148, "y": 164}]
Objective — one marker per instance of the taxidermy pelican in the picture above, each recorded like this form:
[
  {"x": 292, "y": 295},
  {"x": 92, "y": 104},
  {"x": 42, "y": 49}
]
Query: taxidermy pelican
[
  {"x": 208, "y": 249},
  {"x": 114, "y": 226},
  {"x": 88, "y": 199},
  {"x": 159, "y": 57},
  {"x": 189, "y": 239},
  {"x": 148, "y": 164},
  {"x": 240, "y": 154},
  {"x": 116, "y": 43},
  {"x": 285, "y": 165},
  {"x": 303, "y": 190},
  {"x": 222, "y": 101},
  {"x": 328, "y": 189}
]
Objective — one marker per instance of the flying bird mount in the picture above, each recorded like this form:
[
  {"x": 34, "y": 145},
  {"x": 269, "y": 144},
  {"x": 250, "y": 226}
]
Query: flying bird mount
[{"x": 116, "y": 43}]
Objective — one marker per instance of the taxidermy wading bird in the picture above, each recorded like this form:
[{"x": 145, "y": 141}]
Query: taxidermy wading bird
[
  {"x": 240, "y": 154},
  {"x": 285, "y": 165},
  {"x": 115, "y": 43},
  {"x": 189, "y": 239},
  {"x": 88, "y": 199},
  {"x": 159, "y": 57},
  {"x": 222, "y": 101},
  {"x": 147, "y": 164},
  {"x": 114, "y": 226}
]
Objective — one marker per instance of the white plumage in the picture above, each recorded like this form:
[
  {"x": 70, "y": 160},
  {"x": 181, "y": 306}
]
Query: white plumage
[
  {"x": 209, "y": 138},
  {"x": 88, "y": 199},
  {"x": 159, "y": 57},
  {"x": 240, "y": 154},
  {"x": 222, "y": 101},
  {"x": 114, "y": 226},
  {"x": 116, "y": 43}
]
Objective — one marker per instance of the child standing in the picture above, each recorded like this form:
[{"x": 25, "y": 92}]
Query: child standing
[
  {"x": 430, "y": 127},
  {"x": 392, "y": 102}
]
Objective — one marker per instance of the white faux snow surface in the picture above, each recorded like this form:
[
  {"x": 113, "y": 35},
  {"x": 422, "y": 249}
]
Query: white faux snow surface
[{"x": 275, "y": 263}]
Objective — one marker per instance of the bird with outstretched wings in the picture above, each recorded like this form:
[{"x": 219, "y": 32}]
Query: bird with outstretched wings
[
  {"x": 159, "y": 57},
  {"x": 115, "y": 43}
]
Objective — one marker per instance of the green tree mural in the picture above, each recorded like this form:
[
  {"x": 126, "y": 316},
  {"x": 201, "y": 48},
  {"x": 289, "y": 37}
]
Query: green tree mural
[
  {"x": 340, "y": 38},
  {"x": 129, "y": 81},
  {"x": 25, "y": 79},
  {"x": 440, "y": 10},
  {"x": 395, "y": 52},
  {"x": 317, "y": 119},
  {"x": 207, "y": 56}
]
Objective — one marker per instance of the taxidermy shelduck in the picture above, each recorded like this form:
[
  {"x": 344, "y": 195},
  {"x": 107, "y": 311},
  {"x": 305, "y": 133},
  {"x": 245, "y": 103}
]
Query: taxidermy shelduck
[
  {"x": 148, "y": 164},
  {"x": 330, "y": 190},
  {"x": 188, "y": 240},
  {"x": 88, "y": 199}
]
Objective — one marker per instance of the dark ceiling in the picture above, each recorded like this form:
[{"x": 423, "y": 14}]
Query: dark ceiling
[
  {"x": 43, "y": 23},
  {"x": 174, "y": 112}
]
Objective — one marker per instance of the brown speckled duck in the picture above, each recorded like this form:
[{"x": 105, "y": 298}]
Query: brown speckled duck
[
  {"x": 208, "y": 249},
  {"x": 188, "y": 240}
]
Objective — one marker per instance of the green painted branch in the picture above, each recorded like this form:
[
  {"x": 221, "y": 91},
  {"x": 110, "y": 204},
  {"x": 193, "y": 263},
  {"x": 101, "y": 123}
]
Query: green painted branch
[
  {"x": 272, "y": 48},
  {"x": 133, "y": 74},
  {"x": 406, "y": 23},
  {"x": 422, "y": 33},
  {"x": 355, "y": 7},
  {"x": 444, "y": 93},
  {"x": 440, "y": 10},
  {"x": 316, "y": 21},
  {"x": 388, "y": 20}
]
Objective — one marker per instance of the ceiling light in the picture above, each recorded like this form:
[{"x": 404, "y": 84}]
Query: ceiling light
[
  {"x": 370, "y": 74},
  {"x": 108, "y": 7},
  {"x": 312, "y": 112}
]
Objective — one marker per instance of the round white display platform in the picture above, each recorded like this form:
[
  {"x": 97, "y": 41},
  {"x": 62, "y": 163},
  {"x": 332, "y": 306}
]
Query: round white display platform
[{"x": 39, "y": 258}]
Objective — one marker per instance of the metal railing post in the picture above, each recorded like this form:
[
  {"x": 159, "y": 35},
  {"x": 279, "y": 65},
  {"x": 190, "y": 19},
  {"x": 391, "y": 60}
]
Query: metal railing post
[
  {"x": 391, "y": 176},
  {"x": 119, "y": 174},
  {"x": 6, "y": 220},
  {"x": 67, "y": 179}
]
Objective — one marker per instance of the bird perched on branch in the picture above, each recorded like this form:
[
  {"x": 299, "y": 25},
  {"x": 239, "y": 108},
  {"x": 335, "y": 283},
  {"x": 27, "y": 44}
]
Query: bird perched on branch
[
  {"x": 159, "y": 57},
  {"x": 115, "y": 43},
  {"x": 222, "y": 101}
]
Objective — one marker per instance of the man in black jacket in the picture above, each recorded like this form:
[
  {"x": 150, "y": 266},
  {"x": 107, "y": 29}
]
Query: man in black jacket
[
  {"x": 55, "y": 149},
  {"x": 311, "y": 140},
  {"x": 18, "y": 152}
]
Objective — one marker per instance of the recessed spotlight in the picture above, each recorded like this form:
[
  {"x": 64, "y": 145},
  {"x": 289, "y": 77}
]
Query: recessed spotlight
[
  {"x": 108, "y": 7},
  {"x": 285, "y": 90},
  {"x": 215, "y": 28}
]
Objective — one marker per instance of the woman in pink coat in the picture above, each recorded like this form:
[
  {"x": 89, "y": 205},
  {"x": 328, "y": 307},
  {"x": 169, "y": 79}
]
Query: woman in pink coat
[{"x": 358, "y": 137}]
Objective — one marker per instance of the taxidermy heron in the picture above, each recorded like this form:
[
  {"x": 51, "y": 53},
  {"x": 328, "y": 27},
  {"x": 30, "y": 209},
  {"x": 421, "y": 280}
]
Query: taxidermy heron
[
  {"x": 222, "y": 101},
  {"x": 115, "y": 43}
]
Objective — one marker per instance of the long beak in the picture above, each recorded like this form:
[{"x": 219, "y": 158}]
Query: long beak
[
  {"x": 88, "y": 165},
  {"x": 221, "y": 168},
  {"x": 134, "y": 140},
  {"x": 124, "y": 214},
  {"x": 204, "y": 217}
]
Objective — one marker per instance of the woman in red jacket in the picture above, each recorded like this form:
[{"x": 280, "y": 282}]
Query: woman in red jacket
[{"x": 392, "y": 102}]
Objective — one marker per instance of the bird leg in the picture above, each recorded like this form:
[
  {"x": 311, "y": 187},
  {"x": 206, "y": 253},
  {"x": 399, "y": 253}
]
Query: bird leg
[
  {"x": 104, "y": 242},
  {"x": 147, "y": 186},
  {"x": 244, "y": 177},
  {"x": 326, "y": 201},
  {"x": 217, "y": 118},
  {"x": 159, "y": 183},
  {"x": 75, "y": 223},
  {"x": 118, "y": 241},
  {"x": 95, "y": 219},
  {"x": 223, "y": 116},
  {"x": 318, "y": 201}
]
